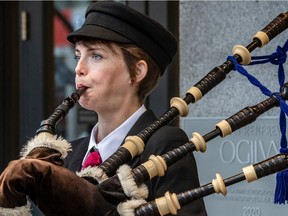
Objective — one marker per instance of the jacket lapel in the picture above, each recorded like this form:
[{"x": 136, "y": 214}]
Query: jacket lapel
[
  {"x": 75, "y": 158},
  {"x": 144, "y": 121}
]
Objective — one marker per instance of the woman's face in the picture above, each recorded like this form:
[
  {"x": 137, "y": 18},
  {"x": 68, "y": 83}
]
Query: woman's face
[{"x": 105, "y": 74}]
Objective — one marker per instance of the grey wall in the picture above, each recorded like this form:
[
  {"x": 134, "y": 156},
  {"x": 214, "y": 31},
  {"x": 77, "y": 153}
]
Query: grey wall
[{"x": 208, "y": 32}]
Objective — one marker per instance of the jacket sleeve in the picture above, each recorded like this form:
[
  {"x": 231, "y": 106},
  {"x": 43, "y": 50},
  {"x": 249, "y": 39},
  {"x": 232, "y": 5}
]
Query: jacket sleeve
[{"x": 179, "y": 177}]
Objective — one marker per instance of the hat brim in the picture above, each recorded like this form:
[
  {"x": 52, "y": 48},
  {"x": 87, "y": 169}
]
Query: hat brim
[{"x": 97, "y": 32}]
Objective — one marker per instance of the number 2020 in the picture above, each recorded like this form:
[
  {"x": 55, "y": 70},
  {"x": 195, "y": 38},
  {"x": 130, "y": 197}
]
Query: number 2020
[{"x": 251, "y": 211}]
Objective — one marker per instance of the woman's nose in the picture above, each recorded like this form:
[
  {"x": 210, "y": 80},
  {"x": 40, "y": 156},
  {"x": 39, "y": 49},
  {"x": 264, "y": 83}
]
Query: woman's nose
[{"x": 81, "y": 68}]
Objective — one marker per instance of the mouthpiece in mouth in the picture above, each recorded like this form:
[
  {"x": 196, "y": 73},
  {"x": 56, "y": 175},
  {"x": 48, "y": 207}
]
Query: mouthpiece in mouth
[
  {"x": 76, "y": 95},
  {"x": 80, "y": 91}
]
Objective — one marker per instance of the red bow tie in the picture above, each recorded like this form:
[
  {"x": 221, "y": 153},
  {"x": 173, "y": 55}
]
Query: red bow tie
[{"x": 93, "y": 159}]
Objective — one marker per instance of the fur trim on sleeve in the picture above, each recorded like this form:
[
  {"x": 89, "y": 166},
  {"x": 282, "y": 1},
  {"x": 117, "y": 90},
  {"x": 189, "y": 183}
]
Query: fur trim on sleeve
[
  {"x": 52, "y": 142},
  {"x": 94, "y": 172},
  {"x": 128, "y": 208},
  {"x": 17, "y": 211},
  {"x": 129, "y": 185}
]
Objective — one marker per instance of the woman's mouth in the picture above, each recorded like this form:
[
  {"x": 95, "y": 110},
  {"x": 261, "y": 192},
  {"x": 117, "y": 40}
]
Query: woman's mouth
[{"x": 81, "y": 86}]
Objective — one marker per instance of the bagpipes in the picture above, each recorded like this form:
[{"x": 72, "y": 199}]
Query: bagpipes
[{"x": 157, "y": 165}]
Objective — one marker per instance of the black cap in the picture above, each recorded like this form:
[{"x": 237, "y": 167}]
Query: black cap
[{"x": 114, "y": 21}]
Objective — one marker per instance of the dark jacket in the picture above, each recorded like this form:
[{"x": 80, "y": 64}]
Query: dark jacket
[{"x": 179, "y": 177}]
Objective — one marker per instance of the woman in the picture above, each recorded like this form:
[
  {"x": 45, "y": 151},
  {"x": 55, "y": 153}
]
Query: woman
[{"x": 120, "y": 56}]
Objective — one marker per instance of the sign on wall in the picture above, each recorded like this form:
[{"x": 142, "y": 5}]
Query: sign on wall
[{"x": 227, "y": 156}]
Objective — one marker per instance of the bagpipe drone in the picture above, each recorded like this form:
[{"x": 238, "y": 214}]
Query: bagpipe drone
[{"x": 105, "y": 173}]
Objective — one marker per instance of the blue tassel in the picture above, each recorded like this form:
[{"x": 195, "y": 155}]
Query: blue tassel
[{"x": 281, "y": 195}]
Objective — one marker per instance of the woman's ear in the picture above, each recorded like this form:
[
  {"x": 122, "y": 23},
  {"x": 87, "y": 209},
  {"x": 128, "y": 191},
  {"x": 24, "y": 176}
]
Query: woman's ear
[{"x": 141, "y": 71}]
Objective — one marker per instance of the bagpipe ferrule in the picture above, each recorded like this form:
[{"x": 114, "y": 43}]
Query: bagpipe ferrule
[
  {"x": 181, "y": 105},
  {"x": 197, "y": 94},
  {"x": 263, "y": 37},
  {"x": 218, "y": 185},
  {"x": 225, "y": 128},
  {"x": 243, "y": 52},
  {"x": 134, "y": 145},
  {"x": 168, "y": 204},
  {"x": 198, "y": 142},
  {"x": 155, "y": 166},
  {"x": 250, "y": 173}
]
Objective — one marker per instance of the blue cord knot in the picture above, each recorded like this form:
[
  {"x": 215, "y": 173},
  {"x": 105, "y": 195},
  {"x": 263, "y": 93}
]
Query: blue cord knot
[{"x": 278, "y": 57}]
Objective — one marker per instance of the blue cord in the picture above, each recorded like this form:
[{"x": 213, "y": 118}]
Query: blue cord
[{"x": 277, "y": 58}]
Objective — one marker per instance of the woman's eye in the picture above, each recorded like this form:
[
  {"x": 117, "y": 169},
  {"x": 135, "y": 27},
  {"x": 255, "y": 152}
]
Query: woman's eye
[
  {"x": 76, "y": 58},
  {"x": 97, "y": 56}
]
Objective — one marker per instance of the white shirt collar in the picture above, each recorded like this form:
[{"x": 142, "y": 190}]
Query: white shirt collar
[{"x": 111, "y": 143}]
